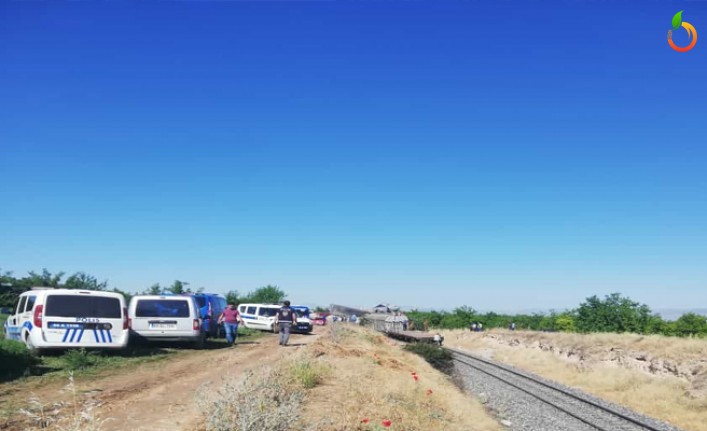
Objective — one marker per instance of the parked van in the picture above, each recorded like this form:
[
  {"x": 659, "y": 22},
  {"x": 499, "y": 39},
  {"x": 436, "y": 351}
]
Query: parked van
[
  {"x": 166, "y": 318},
  {"x": 259, "y": 316},
  {"x": 304, "y": 323},
  {"x": 210, "y": 307},
  {"x": 47, "y": 318}
]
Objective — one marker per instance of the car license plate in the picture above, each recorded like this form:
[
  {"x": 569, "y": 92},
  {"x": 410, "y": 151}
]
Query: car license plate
[{"x": 162, "y": 326}]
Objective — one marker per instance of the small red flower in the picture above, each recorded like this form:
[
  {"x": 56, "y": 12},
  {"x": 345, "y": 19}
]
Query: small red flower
[
  {"x": 429, "y": 392},
  {"x": 386, "y": 423},
  {"x": 365, "y": 420},
  {"x": 414, "y": 376}
]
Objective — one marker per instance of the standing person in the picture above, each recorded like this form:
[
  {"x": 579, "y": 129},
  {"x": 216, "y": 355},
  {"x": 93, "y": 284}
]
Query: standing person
[
  {"x": 285, "y": 318},
  {"x": 404, "y": 319},
  {"x": 473, "y": 327},
  {"x": 230, "y": 318}
]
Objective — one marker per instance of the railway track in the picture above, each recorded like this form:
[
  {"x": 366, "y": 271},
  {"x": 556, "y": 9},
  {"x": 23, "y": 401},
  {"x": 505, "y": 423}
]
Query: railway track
[{"x": 562, "y": 408}]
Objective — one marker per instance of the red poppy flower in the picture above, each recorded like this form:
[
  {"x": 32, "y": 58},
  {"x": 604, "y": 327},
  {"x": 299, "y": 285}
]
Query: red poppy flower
[
  {"x": 365, "y": 420},
  {"x": 386, "y": 423},
  {"x": 429, "y": 392},
  {"x": 414, "y": 376}
]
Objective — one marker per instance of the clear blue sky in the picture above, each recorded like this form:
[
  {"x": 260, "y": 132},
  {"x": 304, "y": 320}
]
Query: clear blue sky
[{"x": 501, "y": 154}]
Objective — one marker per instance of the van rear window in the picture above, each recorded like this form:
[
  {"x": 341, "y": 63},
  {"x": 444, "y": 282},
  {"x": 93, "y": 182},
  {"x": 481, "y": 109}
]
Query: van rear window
[
  {"x": 82, "y": 306},
  {"x": 161, "y": 308},
  {"x": 200, "y": 301}
]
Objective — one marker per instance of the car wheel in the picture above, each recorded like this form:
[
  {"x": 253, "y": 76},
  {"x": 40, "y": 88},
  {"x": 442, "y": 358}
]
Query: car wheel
[
  {"x": 200, "y": 343},
  {"x": 30, "y": 346}
]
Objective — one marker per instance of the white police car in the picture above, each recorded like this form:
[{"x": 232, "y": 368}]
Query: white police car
[{"x": 47, "y": 318}]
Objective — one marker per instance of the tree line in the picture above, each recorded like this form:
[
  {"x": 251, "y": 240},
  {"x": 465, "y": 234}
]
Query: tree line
[
  {"x": 11, "y": 287},
  {"x": 613, "y": 313}
]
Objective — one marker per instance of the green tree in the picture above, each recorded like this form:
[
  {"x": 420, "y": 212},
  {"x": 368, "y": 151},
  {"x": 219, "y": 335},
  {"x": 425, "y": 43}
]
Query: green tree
[
  {"x": 564, "y": 322},
  {"x": 691, "y": 324},
  {"x": 233, "y": 297},
  {"x": 178, "y": 287},
  {"x": 613, "y": 314},
  {"x": 155, "y": 289},
  {"x": 266, "y": 294},
  {"x": 81, "y": 280},
  {"x": 45, "y": 279}
]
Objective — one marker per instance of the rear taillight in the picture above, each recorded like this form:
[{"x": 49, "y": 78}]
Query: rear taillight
[
  {"x": 126, "y": 321},
  {"x": 196, "y": 324},
  {"x": 38, "y": 315}
]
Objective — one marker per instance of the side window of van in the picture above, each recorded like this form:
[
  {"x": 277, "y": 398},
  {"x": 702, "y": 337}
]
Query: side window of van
[
  {"x": 30, "y": 303},
  {"x": 21, "y": 305},
  {"x": 251, "y": 310},
  {"x": 241, "y": 309}
]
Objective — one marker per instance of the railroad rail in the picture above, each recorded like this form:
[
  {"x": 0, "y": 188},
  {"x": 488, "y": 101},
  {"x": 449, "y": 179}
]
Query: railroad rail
[{"x": 594, "y": 413}]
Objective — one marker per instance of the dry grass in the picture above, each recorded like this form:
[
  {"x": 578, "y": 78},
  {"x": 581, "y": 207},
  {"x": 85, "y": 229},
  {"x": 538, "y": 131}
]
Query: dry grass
[
  {"x": 373, "y": 382},
  {"x": 77, "y": 414},
  {"x": 660, "y": 376}
]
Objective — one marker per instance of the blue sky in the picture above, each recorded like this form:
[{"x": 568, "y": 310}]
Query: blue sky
[{"x": 506, "y": 155}]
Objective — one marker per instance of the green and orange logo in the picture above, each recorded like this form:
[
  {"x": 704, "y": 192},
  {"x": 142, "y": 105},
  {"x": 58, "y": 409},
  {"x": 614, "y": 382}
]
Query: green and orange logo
[{"x": 691, "y": 33}]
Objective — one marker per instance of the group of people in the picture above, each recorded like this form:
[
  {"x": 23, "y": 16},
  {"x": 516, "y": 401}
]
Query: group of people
[
  {"x": 230, "y": 318},
  {"x": 478, "y": 326}
]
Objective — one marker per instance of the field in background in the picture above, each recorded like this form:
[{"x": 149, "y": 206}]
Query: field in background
[{"x": 663, "y": 377}]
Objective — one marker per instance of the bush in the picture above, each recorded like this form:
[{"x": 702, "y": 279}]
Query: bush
[
  {"x": 260, "y": 402},
  {"x": 75, "y": 360},
  {"x": 437, "y": 357},
  {"x": 306, "y": 373},
  {"x": 15, "y": 359}
]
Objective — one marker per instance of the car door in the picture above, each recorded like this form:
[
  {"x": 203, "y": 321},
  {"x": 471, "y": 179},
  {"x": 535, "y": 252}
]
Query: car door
[
  {"x": 13, "y": 324},
  {"x": 26, "y": 315}
]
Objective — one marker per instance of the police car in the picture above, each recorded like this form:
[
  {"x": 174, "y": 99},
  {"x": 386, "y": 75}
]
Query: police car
[{"x": 46, "y": 318}]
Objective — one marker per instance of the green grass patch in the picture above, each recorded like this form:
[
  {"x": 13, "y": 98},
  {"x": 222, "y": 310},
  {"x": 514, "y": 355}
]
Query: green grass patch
[
  {"x": 3, "y": 318},
  {"x": 15, "y": 360},
  {"x": 307, "y": 373},
  {"x": 92, "y": 362},
  {"x": 435, "y": 355}
]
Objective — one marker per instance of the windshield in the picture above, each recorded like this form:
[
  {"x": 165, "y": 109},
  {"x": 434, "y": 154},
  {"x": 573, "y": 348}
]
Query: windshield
[
  {"x": 301, "y": 311},
  {"x": 267, "y": 312}
]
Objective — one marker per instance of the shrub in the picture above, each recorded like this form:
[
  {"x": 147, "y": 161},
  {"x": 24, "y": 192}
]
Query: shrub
[
  {"x": 260, "y": 402},
  {"x": 437, "y": 357},
  {"x": 76, "y": 414},
  {"x": 80, "y": 359},
  {"x": 307, "y": 373},
  {"x": 15, "y": 359}
]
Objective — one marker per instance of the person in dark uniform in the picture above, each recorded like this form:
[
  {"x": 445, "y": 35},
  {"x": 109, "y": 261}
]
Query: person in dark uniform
[{"x": 286, "y": 317}]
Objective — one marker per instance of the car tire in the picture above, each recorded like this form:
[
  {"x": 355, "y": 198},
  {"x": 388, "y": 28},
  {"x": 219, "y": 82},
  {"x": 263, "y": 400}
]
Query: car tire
[
  {"x": 30, "y": 346},
  {"x": 200, "y": 343}
]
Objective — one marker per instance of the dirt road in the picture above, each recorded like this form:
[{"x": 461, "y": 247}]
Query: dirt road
[{"x": 161, "y": 395}]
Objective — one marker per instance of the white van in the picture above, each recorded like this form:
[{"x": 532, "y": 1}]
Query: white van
[
  {"x": 47, "y": 318},
  {"x": 166, "y": 318},
  {"x": 259, "y": 316}
]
